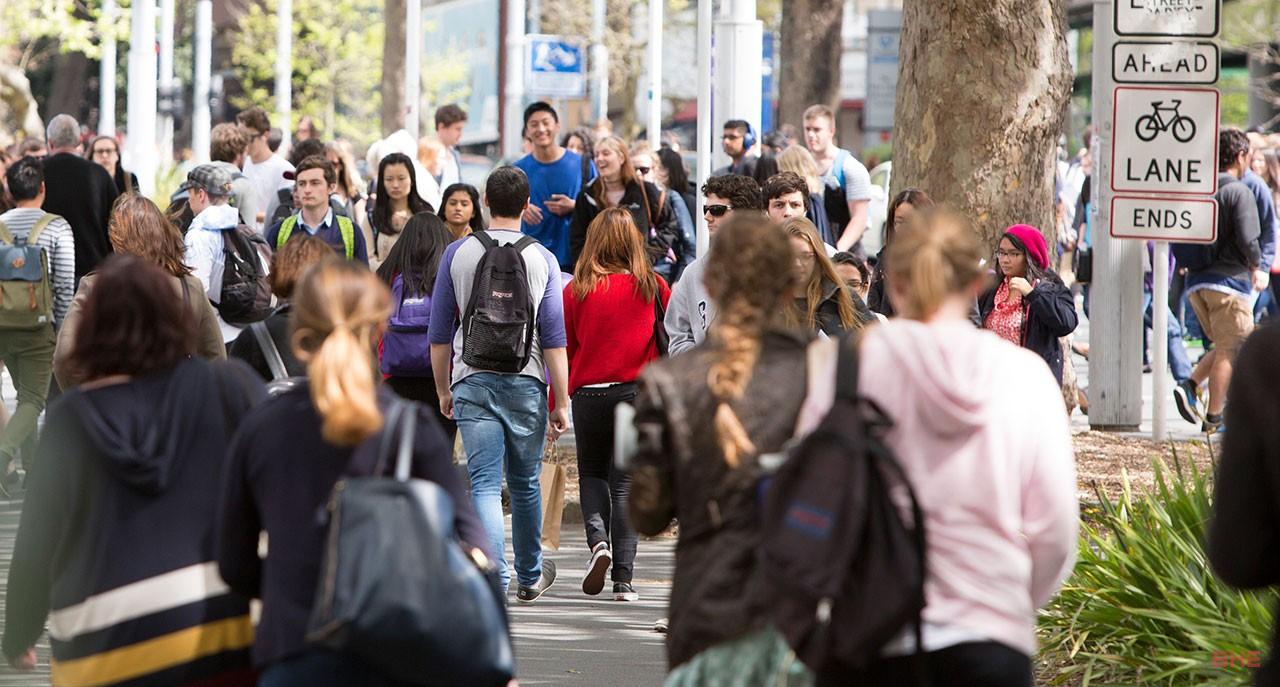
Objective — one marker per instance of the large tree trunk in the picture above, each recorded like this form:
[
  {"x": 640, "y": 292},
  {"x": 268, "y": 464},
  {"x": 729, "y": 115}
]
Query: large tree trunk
[
  {"x": 70, "y": 83},
  {"x": 393, "y": 105},
  {"x": 982, "y": 91},
  {"x": 810, "y": 57}
]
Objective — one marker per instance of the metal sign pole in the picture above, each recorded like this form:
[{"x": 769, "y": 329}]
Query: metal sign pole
[{"x": 1160, "y": 339}]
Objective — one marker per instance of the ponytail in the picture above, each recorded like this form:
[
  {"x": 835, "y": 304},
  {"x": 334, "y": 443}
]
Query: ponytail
[
  {"x": 339, "y": 311},
  {"x": 937, "y": 255}
]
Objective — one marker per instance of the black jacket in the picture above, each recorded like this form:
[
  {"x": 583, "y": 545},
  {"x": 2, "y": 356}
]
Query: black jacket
[
  {"x": 658, "y": 215},
  {"x": 878, "y": 292},
  {"x": 82, "y": 192},
  {"x": 246, "y": 347},
  {"x": 280, "y": 474},
  {"x": 1237, "y": 251},
  {"x": 1048, "y": 314},
  {"x": 1244, "y": 534},
  {"x": 828, "y": 312},
  {"x": 680, "y": 473},
  {"x": 124, "y": 492}
]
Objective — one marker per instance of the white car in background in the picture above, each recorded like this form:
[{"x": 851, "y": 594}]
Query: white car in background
[{"x": 878, "y": 210}]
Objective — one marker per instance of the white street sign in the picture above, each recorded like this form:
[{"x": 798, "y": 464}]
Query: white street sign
[
  {"x": 1165, "y": 140},
  {"x": 1167, "y": 62},
  {"x": 1180, "y": 220},
  {"x": 1173, "y": 18}
]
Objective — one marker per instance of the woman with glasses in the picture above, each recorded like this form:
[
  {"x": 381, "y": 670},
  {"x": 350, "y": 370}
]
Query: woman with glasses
[
  {"x": 823, "y": 303},
  {"x": 650, "y": 168},
  {"x": 1029, "y": 305},
  {"x": 105, "y": 151},
  {"x": 900, "y": 210},
  {"x": 619, "y": 185}
]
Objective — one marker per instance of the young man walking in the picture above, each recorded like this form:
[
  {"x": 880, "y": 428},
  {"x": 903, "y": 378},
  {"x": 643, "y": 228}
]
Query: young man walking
[
  {"x": 27, "y": 351},
  {"x": 1221, "y": 292},
  {"x": 450, "y": 121},
  {"x": 502, "y": 415},
  {"x": 690, "y": 310},
  {"x": 263, "y": 167},
  {"x": 847, "y": 180},
  {"x": 314, "y": 180},
  {"x": 228, "y": 144},
  {"x": 737, "y": 141},
  {"x": 555, "y": 180}
]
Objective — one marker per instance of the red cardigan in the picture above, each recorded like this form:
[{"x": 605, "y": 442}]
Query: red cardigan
[{"x": 610, "y": 331}]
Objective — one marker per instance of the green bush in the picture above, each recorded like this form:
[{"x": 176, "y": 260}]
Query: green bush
[{"x": 1143, "y": 606}]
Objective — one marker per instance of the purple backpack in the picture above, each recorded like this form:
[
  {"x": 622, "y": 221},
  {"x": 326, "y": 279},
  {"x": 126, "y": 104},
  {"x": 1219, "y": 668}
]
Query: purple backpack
[{"x": 406, "y": 351}]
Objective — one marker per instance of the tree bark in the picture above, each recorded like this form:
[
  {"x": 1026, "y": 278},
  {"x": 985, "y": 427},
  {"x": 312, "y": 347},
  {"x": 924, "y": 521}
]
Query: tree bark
[
  {"x": 983, "y": 88},
  {"x": 393, "y": 105},
  {"x": 810, "y": 57},
  {"x": 18, "y": 110},
  {"x": 70, "y": 83}
]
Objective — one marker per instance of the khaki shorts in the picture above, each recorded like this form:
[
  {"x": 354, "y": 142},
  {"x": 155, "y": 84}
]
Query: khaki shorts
[{"x": 1225, "y": 318}]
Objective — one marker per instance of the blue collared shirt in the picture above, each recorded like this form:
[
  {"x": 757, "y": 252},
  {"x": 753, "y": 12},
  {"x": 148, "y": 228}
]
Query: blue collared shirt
[{"x": 329, "y": 232}]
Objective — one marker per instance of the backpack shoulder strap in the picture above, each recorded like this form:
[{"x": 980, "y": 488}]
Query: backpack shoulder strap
[
  {"x": 485, "y": 239},
  {"x": 286, "y": 230},
  {"x": 648, "y": 211},
  {"x": 348, "y": 232},
  {"x": 847, "y": 368},
  {"x": 523, "y": 243},
  {"x": 40, "y": 226},
  {"x": 269, "y": 350}
]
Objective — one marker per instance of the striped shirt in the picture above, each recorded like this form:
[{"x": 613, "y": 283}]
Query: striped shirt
[{"x": 59, "y": 245}]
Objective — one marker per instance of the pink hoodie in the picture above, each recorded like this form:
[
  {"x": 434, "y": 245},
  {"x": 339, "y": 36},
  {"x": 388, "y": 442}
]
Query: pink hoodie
[{"x": 980, "y": 428}]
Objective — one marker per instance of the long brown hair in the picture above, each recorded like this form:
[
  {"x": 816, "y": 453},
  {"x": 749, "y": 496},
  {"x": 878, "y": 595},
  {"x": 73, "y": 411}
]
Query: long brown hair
[
  {"x": 339, "y": 311},
  {"x": 822, "y": 274},
  {"x": 628, "y": 174},
  {"x": 138, "y": 227},
  {"x": 936, "y": 255},
  {"x": 749, "y": 276},
  {"x": 911, "y": 196},
  {"x": 614, "y": 247}
]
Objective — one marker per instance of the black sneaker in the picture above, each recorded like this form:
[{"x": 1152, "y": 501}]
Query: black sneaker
[
  {"x": 597, "y": 567},
  {"x": 527, "y": 595},
  {"x": 1212, "y": 423},
  {"x": 1184, "y": 396},
  {"x": 623, "y": 591}
]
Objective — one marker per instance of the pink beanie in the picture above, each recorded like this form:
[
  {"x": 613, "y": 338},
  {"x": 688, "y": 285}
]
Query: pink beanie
[{"x": 1031, "y": 237}]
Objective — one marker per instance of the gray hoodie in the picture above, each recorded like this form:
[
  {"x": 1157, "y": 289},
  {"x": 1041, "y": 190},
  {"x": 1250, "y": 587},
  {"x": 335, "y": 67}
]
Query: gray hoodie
[{"x": 690, "y": 310}]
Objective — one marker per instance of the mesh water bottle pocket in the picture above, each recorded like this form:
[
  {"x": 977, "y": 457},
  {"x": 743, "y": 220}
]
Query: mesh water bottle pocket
[{"x": 495, "y": 346}]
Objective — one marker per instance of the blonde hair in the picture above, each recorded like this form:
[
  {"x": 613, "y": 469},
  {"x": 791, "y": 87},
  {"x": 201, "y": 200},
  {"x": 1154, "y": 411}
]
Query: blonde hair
[
  {"x": 938, "y": 254},
  {"x": 798, "y": 159},
  {"x": 746, "y": 278},
  {"x": 339, "y": 311},
  {"x": 823, "y": 272},
  {"x": 628, "y": 171}
]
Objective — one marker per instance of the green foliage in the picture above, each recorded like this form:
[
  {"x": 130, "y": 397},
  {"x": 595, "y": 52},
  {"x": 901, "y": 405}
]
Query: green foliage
[
  {"x": 1234, "y": 108},
  {"x": 37, "y": 29},
  {"x": 1143, "y": 605},
  {"x": 337, "y": 64}
]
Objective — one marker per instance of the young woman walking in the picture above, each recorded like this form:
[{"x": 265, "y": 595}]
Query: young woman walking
[
  {"x": 460, "y": 210},
  {"x": 823, "y": 302},
  {"x": 610, "y": 316},
  {"x": 900, "y": 210},
  {"x": 395, "y": 201}
]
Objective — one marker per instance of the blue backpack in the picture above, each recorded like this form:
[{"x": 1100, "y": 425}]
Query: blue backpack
[{"x": 406, "y": 350}]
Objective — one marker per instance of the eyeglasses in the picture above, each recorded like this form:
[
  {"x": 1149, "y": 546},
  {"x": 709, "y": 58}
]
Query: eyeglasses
[
  {"x": 1010, "y": 254},
  {"x": 643, "y": 170},
  {"x": 716, "y": 210},
  {"x": 104, "y": 152}
]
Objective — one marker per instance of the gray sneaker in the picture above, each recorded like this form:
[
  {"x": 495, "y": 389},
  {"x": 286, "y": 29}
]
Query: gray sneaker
[
  {"x": 623, "y": 591},
  {"x": 527, "y": 595},
  {"x": 597, "y": 568}
]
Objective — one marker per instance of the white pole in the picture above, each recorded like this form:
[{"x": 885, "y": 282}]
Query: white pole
[
  {"x": 655, "y": 74},
  {"x": 166, "y": 78},
  {"x": 704, "y": 116},
  {"x": 284, "y": 70},
  {"x": 740, "y": 49},
  {"x": 599, "y": 63},
  {"x": 1160, "y": 339},
  {"x": 107, "y": 72},
  {"x": 1115, "y": 326},
  {"x": 200, "y": 120},
  {"x": 413, "y": 66},
  {"x": 141, "y": 108},
  {"x": 512, "y": 137}
]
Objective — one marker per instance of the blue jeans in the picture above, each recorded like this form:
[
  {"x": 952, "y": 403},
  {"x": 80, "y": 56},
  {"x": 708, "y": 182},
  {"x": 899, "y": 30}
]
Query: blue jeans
[
  {"x": 503, "y": 422},
  {"x": 321, "y": 668},
  {"x": 1179, "y": 363}
]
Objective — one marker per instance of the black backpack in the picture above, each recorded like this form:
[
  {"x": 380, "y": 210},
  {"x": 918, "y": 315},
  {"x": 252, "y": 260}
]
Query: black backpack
[
  {"x": 845, "y": 573},
  {"x": 246, "y": 287},
  {"x": 498, "y": 324}
]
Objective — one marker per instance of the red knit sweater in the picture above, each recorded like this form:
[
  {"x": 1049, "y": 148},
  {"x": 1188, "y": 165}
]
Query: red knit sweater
[{"x": 610, "y": 331}]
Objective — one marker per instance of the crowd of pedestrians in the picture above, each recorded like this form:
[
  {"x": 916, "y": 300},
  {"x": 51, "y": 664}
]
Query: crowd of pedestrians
[{"x": 567, "y": 287}]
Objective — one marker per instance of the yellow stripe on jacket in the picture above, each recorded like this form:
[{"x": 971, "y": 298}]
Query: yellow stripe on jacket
[{"x": 153, "y": 655}]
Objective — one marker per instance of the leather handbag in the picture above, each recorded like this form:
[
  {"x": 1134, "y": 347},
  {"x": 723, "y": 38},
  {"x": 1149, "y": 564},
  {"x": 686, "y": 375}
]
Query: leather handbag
[{"x": 397, "y": 589}]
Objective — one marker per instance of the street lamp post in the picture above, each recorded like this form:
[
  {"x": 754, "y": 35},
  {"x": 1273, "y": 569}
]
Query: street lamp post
[
  {"x": 200, "y": 120},
  {"x": 141, "y": 141},
  {"x": 166, "y": 79},
  {"x": 284, "y": 68},
  {"x": 107, "y": 73},
  {"x": 655, "y": 74},
  {"x": 413, "y": 66}
]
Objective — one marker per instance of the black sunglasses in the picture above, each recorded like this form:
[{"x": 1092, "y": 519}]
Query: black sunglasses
[
  {"x": 716, "y": 210},
  {"x": 643, "y": 170}
]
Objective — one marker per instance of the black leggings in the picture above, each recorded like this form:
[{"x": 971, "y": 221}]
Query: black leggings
[
  {"x": 423, "y": 390},
  {"x": 972, "y": 664},
  {"x": 604, "y": 488}
]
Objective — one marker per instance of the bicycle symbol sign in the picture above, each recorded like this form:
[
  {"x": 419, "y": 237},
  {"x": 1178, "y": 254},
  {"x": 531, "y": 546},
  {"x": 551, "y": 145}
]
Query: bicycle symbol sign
[{"x": 1165, "y": 140}]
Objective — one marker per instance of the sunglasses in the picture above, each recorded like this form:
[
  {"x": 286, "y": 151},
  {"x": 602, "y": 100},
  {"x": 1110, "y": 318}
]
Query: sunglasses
[
  {"x": 716, "y": 210},
  {"x": 643, "y": 170}
]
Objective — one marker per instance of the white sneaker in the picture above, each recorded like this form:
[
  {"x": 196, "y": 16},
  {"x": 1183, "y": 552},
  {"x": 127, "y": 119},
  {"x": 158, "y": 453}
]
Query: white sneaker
[{"x": 597, "y": 568}]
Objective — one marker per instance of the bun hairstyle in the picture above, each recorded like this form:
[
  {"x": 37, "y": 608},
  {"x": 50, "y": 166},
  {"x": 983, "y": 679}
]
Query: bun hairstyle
[
  {"x": 749, "y": 279},
  {"x": 938, "y": 254},
  {"x": 339, "y": 310}
]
